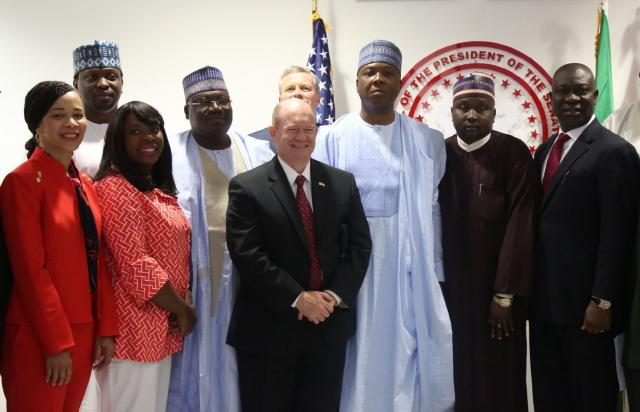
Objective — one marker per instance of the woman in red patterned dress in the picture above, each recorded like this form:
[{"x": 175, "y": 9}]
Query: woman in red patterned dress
[{"x": 147, "y": 252}]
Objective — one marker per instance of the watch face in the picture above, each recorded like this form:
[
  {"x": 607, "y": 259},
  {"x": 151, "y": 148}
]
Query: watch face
[{"x": 602, "y": 304}]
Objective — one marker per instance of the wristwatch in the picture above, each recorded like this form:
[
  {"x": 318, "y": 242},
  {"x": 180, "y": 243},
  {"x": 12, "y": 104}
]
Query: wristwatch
[
  {"x": 502, "y": 301},
  {"x": 602, "y": 303}
]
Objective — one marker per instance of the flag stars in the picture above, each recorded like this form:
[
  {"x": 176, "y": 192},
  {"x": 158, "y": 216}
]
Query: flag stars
[
  {"x": 526, "y": 105},
  {"x": 420, "y": 118},
  {"x": 517, "y": 93},
  {"x": 426, "y": 105},
  {"x": 446, "y": 83},
  {"x": 319, "y": 63},
  {"x": 534, "y": 134},
  {"x": 460, "y": 76},
  {"x": 435, "y": 93},
  {"x": 505, "y": 83},
  {"x": 532, "y": 119}
]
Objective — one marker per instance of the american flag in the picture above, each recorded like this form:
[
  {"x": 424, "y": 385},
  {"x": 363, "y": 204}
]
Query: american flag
[{"x": 319, "y": 63}]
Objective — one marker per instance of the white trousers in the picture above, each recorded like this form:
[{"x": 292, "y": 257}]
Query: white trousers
[
  {"x": 90, "y": 400},
  {"x": 129, "y": 386}
]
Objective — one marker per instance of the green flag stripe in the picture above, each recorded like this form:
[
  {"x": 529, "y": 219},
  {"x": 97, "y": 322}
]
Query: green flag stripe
[{"x": 604, "y": 84}]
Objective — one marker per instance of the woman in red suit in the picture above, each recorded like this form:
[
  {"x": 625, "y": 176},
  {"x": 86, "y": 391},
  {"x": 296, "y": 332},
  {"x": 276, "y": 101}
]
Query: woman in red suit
[{"x": 61, "y": 317}]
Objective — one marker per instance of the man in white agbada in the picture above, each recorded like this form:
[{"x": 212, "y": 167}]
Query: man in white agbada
[
  {"x": 98, "y": 77},
  {"x": 204, "y": 376},
  {"x": 626, "y": 122},
  {"x": 400, "y": 359}
]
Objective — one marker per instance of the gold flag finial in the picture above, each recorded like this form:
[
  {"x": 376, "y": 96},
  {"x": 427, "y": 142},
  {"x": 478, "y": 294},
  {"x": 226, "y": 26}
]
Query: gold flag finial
[{"x": 315, "y": 14}]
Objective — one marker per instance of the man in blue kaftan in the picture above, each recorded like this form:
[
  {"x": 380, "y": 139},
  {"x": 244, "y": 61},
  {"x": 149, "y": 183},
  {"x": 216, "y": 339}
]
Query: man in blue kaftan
[
  {"x": 400, "y": 359},
  {"x": 204, "y": 375}
]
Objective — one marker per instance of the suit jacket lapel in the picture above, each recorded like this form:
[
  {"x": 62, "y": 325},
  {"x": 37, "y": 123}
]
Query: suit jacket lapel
[
  {"x": 321, "y": 201},
  {"x": 578, "y": 149},
  {"x": 281, "y": 189}
]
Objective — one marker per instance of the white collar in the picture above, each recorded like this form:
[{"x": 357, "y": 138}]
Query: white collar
[
  {"x": 292, "y": 174},
  {"x": 575, "y": 133},
  {"x": 475, "y": 145}
]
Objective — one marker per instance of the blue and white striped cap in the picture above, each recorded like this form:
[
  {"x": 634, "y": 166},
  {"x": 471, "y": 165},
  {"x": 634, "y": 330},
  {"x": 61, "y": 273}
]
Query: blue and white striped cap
[
  {"x": 100, "y": 54},
  {"x": 380, "y": 51},
  {"x": 205, "y": 79},
  {"x": 474, "y": 83}
]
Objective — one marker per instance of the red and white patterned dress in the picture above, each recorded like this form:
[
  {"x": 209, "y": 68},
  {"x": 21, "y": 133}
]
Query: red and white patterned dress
[{"x": 147, "y": 239}]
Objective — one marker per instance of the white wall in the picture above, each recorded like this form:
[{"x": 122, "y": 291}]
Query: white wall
[{"x": 251, "y": 41}]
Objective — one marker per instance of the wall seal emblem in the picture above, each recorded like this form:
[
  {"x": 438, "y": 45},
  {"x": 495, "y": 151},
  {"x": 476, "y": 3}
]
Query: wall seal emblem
[{"x": 522, "y": 86}]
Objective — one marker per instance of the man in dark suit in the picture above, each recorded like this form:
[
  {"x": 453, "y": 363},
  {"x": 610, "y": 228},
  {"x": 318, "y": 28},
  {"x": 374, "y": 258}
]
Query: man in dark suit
[
  {"x": 585, "y": 233},
  {"x": 299, "y": 239}
]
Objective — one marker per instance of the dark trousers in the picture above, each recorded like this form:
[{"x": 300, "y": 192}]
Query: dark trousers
[
  {"x": 632, "y": 378},
  {"x": 572, "y": 371},
  {"x": 305, "y": 374}
]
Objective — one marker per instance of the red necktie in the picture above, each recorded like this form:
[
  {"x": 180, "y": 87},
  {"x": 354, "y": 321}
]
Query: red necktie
[
  {"x": 553, "y": 161},
  {"x": 306, "y": 213}
]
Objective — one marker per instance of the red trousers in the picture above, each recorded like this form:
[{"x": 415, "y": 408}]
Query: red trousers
[{"x": 23, "y": 371}]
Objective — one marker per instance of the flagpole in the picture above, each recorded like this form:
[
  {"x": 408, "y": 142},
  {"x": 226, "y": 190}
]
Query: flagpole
[{"x": 319, "y": 63}]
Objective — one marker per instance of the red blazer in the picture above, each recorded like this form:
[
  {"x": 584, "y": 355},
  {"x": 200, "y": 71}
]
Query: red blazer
[{"x": 47, "y": 253}]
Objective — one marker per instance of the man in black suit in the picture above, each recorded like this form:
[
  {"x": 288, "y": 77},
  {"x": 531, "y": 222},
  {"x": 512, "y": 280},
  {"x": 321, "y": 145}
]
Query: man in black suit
[
  {"x": 301, "y": 248},
  {"x": 585, "y": 233}
]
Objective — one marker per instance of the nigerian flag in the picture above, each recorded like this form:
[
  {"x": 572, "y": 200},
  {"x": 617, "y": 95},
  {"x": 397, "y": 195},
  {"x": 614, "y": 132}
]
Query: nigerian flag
[{"x": 604, "y": 81}]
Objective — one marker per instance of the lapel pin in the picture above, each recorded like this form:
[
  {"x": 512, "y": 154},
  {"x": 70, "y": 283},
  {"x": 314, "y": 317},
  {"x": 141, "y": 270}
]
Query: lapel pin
[
  {"x": 38, "y": 176},
  {"x": 321, "y": 184}
]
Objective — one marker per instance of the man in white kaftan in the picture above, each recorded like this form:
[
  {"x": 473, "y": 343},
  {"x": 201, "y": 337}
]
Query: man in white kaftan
[
  {"x": 98, "y": 78},
  {"x": 400, "y": 359},
  {"x": 204, "y": 375},
  {"x": 97, "y": 75}
]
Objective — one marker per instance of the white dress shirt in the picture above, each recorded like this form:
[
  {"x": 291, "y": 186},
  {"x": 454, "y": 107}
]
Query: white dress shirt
[
  {"x": 573, "y": 134},
  {"x": 291, "y": 177}
]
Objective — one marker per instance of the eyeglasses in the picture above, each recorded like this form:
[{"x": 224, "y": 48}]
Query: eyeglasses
[{"x": 223, "y": 103}]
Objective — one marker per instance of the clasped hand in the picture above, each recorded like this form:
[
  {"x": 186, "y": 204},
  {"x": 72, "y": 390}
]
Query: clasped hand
[{"x": 315, "y": 306}]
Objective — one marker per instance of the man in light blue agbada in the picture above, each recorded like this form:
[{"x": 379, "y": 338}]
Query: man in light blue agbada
[
  {"x": 400, "y": 359},
  {"x": 204, "y": 375}
]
